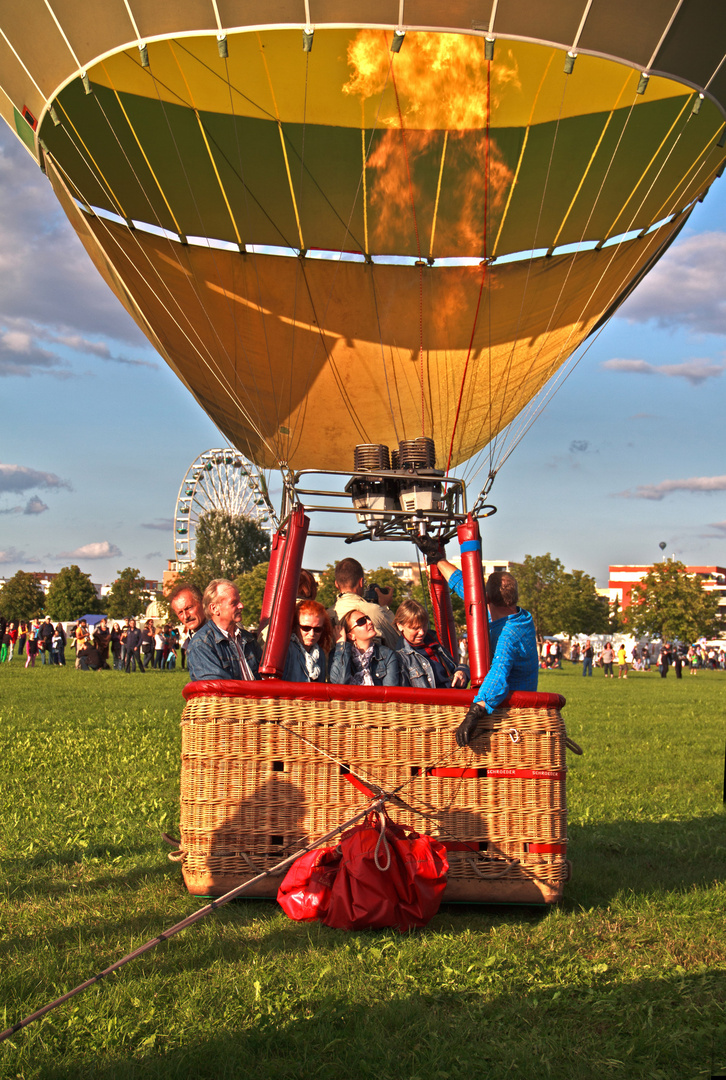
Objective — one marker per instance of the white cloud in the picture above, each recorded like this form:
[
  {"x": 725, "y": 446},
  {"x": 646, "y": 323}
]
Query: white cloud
[
  {"x": 656, "y": 492},
  {"x": 693, "y": 371},
  {"x": 46, "y": 276},
  {"x": 685, "y": 288},
  {"x": 21, "y": 355},
  {"x": 99, "y": 549},
  {"x": 28, "y": 348},
  {"x": 19, "y": 478},
  {"x": 35, "y": 505}
]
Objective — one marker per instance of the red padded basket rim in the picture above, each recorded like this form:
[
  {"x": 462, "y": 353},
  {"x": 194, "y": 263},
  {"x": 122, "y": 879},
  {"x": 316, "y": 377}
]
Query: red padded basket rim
[{"x": 276, "y": 689}]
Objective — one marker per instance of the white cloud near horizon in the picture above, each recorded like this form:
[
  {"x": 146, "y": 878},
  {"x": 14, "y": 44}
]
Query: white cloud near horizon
[
  {"x": 20, "y": 478},
  {"x": 693, "y": 371},
  {"x": 685, "y": 288},
  {"x": 99, "y": 549},
  {"x": 656, "y": 492}
]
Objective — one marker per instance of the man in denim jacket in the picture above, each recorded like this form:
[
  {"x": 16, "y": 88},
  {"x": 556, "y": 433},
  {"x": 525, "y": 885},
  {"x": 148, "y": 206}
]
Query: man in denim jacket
[{"x": 220, "y": 649}]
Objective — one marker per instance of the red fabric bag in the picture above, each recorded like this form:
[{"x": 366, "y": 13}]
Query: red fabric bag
[
  {"x": 389, "y": 875},
  {"x": 382, "y": 874},
  {"x": 305, "y": 889}
]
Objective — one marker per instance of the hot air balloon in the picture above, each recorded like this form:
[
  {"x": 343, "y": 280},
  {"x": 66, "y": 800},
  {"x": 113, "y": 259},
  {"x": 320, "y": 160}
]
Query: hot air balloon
[{"x": 388, "y": 228}]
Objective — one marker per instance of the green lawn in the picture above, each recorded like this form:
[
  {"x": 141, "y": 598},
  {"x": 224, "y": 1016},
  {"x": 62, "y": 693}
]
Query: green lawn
[{"x": 626, "y": 978}]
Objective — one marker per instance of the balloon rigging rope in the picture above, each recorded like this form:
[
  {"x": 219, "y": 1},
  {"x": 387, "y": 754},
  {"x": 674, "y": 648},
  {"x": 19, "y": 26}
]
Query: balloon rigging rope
[
  {"x": 300, "y": 417},
  {"x": 199, "y": 349},
  {"x": 246, "y": 195},
  {"x": 530, "y": 264},
  {"x": 515, "y": 433},
  {"x": 331, "y": 362},
  {"x": 420, "y": 261},
  {"x": 174, "y": 249},
  {"x": 524, "y": 424},
  {"x": 566, "y": 370},
  {"x": 483, "y": 269}
]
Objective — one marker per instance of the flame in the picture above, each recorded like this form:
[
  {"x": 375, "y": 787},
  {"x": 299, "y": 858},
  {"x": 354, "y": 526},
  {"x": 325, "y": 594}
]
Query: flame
[
  {"x": 441, "y": 78},
  {"x": 441, "y": 84}
]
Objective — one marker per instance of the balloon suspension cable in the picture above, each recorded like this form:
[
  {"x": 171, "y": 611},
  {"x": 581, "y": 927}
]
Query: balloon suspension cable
[
  {"x": 377, "y": 804},
  {"x": 479, "y": 504}
]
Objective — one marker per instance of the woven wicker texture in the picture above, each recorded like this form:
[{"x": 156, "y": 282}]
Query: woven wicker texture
[{"x": 261, "y": 777}]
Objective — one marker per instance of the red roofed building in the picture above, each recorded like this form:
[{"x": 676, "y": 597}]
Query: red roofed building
[{"x": 623, "y": 580}]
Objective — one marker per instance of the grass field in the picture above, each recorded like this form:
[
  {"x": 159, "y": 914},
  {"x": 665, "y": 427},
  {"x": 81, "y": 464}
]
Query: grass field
[{"x": 626, "y": 978}]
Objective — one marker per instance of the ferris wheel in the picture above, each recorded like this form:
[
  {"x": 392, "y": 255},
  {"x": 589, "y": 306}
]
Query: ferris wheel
[{"x": 219, "y": 480}]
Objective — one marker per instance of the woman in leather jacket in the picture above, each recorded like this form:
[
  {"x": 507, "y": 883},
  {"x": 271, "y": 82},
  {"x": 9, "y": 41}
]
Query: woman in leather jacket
[{"x": 359, "y": 660}]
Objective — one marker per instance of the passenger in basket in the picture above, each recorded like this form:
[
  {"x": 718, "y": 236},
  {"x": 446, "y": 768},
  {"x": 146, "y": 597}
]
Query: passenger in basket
[
  {"x": 424, "y": 660},
  {"x": 515, "y": 658},
  {"x": 310, "y": 644},
  {"x": 349, "y": 581},
  {"x": 358, "y": 659},
  {"x": 185, "y": 601},
  {"x": 220, "y": 649}
]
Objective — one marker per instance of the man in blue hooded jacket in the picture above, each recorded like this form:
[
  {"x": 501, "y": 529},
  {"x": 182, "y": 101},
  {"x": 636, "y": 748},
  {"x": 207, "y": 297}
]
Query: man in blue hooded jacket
[{"x": 512, "y": 637}]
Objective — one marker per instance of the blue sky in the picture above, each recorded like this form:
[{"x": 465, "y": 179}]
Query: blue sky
[{"x": 97, "y": 433}]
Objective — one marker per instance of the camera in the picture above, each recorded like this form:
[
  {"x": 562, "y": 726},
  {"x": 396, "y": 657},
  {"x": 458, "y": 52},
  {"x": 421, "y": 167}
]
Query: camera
[{"x": 370, "y": 594}]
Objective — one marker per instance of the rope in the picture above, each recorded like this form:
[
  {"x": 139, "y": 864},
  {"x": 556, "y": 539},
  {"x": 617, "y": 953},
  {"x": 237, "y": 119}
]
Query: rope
[
  {"x": 418, "y": 248},
  {"x": 484, "y": 266},
  {"x": 190, "y": 919}
]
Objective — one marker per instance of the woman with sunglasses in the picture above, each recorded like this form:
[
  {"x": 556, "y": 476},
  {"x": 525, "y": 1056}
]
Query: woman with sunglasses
[
  {"x": 359, "y": 659},
  {"x": 311, "y": 641}
]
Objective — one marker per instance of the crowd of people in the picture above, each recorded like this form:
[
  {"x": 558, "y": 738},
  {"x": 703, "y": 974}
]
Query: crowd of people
[
  {"x": 123, "y": 646},
  {"x": 656, "y": 656}
]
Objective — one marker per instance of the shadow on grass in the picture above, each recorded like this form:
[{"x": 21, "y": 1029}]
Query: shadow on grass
[
  {"x": 667, "y": 1028},
  {"x": 644, "y": 857}
]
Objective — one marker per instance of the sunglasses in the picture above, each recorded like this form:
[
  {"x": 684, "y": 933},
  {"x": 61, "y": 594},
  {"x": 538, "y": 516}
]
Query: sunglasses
[
  {"x": 311, "y": 629},
  {"x": 363, "y": 620}
]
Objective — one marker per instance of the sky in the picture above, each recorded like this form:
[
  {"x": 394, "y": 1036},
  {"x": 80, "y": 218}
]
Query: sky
[{"x": 96, "y": 433}]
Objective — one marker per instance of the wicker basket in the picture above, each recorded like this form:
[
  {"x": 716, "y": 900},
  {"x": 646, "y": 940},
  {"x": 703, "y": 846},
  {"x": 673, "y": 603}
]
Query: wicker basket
[{"x": 269, "y": 766}]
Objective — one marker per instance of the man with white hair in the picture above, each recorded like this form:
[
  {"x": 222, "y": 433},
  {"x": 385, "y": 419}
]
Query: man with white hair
[{"x": 220, "y": 649}]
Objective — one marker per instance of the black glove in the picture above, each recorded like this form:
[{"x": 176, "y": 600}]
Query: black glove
[
  {"x": 432, "y": 548},
  {"x": 467, "y": 727}
]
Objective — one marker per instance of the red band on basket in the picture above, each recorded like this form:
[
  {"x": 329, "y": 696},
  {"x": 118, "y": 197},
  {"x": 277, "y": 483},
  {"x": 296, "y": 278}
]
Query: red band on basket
[
  {"x": 483, "y": 774},
  {"x": 471, "y": 774},
  {"x": 461, "y": 845},
  {"x": 545, "y": 849},
  {"x": 358, "y": 784}
]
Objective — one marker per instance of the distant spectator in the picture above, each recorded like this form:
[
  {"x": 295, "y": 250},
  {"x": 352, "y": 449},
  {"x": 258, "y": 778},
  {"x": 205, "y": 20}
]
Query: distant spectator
[
  {"x": 102, "y": 640},
  {"x": 133, "y": 649},
  {"x": 45, "y": 637},
  {"x": 58, "y": 645},
  {"x": 13, "y": 634},
  {"x": 32, "y": 650},
  {"x": 116, "y": 647},
  {"x": 89, "y": 656},
  {"x": 147, "y": 643}
]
